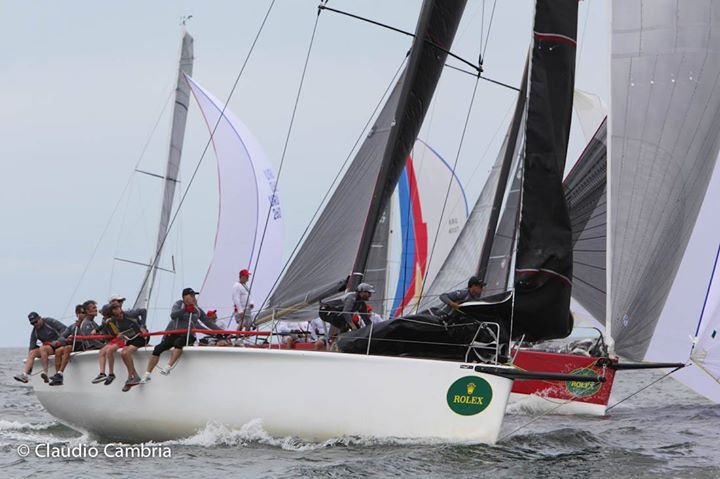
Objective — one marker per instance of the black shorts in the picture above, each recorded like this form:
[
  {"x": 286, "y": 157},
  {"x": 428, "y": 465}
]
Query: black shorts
[
  {"x": 137, "y": 341},
  {"x": 169, "y": 342}
]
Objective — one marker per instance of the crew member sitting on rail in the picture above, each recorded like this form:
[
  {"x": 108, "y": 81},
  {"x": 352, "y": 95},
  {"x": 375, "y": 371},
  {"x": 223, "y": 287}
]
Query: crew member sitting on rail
[
  {"x": 107, "y": 352},
  {"x": 185, "y": 316},
  {"x": 130, "y": 331},
  {"x": 140, "y": 314},
  {"x": 48, "y": 331},
  {"x": 454, "y": 299}
]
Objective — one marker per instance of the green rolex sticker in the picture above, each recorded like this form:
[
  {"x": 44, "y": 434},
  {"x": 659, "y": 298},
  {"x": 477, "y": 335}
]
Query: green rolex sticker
[
  {"x": 469, "y": 395},
  {"x": 582, "y": 389}
]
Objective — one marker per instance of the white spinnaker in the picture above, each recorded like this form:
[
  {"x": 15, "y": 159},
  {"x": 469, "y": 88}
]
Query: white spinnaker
[
  {"x": 590, "y": 110},
  {"x": 246, "y": 183},
  {"x": 683, "y": 310}
]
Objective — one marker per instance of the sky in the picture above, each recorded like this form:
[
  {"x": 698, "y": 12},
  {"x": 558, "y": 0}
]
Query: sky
[{"x": 85, "y": 91}]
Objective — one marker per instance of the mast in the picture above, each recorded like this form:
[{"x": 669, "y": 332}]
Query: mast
[
  {"x": 177, "y": 135},
  {"x": 437, "y": 26},
  {"x": 503, "y": 178}
]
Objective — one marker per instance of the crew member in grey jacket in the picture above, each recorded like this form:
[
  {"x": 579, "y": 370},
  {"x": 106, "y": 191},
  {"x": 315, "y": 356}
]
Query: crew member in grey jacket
[
  {"x": 454, "y": 299},
  {"x": 185, "y": 315},
  {"x": 83, "y": 326},
  {"x": 48, "y": 331}
]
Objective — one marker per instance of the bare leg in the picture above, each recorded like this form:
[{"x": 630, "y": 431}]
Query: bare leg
[
  {"x": 62, "y": 358},
  {"x": 127, "y": 356},
  {"x": 44, "y": 353},
  {"x": 174, "y": 356},
  {"x": 111, "y": 358},
  {"x": 102, "y": 359},
  {"x": 152, "y": 363},
  {"x": 32, "y": 354}
]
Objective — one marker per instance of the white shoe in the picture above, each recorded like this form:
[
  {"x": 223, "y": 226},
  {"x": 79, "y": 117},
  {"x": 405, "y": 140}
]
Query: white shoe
[
  {"x": 166, "y": 370},
  {"x": 145, "y": 379}
]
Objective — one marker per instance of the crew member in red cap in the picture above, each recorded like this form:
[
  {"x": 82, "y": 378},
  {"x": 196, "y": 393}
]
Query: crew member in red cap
[{"x": 243, "y": 303}]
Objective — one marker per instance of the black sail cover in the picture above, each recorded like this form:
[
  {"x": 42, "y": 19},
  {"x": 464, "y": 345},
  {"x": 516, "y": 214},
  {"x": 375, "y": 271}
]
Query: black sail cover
[
  {"x": 343, "y": 234},
  {"x": 543, "y": 265}
]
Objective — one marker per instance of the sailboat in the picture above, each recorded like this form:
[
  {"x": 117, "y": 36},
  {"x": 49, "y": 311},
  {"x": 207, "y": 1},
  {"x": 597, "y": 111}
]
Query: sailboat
[
  {"x": 665, "y": 129},
  {"x": 459, "y": 400}
]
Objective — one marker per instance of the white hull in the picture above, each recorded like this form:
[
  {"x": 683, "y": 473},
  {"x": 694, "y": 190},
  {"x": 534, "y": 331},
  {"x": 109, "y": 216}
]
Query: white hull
[
  {"x": 545, "y": 405},
  {"x": 311, "y": 395}
]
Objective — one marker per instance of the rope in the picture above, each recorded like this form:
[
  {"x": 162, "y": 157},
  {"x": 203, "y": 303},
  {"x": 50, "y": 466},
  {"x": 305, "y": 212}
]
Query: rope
[
  {"x": 115, "y": 208},
  {"x": 287, "y": 142},
  {"x": 538, "y": 417},
  {"x": 644, "y": 388}
]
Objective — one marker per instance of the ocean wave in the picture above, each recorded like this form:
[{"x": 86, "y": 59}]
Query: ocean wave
[
  {"x": 26, "y": 426},
  {"x": 215, "y": 434}
]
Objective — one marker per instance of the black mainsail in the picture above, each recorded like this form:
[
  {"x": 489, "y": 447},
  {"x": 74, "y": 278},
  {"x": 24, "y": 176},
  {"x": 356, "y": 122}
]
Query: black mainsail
[
  {"x": 543, "y": 265},
  {"x": 347, "y": 225}
]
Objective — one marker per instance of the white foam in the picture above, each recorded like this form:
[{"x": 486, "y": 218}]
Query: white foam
[{"x": 253, "y": 432}]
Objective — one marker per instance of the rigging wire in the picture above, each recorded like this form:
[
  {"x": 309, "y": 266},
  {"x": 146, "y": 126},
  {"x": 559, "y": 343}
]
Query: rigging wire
[
  {"x": 287, "y": 141},
  {"x": 477, "y": 68},
  {"x": 645, "y": 387},
  {"x": 337, "y": 176},
  {"x": 207, "y": 146},
  {"x": 117, "y": 205},
  {"x": 447, "y": 192}
]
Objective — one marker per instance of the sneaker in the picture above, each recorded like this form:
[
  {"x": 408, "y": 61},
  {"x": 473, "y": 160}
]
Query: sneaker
[
  {"x": 100, "y": 378},
  {"x": 166, "y": 370},
  {"x": 22, "y": 377},
  {"x": 134, "y": 381},
  {"x": 56, "y": 380},
  {"x": 45, "y": 377},
  {"x": 109, "y": 379},
  {"x": 145, "y": 379}
]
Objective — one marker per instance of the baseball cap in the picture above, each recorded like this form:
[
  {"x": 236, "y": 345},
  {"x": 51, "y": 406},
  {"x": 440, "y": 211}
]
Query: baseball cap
[
  {"x": 116, "y": 297},
  {"x": 368, "y": 288},
  {"x": 244, "y": 272},
  {"x": 33, "y": 316},
  {"x": 212, "y": 312},
  {"x": 189, "y": 291}
]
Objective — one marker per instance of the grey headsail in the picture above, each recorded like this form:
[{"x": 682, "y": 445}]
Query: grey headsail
[
  {"x": 586, "y": 194},
  {"x": 665, "y": 138},
  {"x": 463, "y": 260},
  {"x": 342, "y": 236},
  {"x": 177, "y": 136}
]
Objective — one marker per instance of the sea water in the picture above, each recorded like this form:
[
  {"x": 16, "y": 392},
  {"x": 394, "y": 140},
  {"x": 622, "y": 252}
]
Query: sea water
[{"x": 665, "y": 431}]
